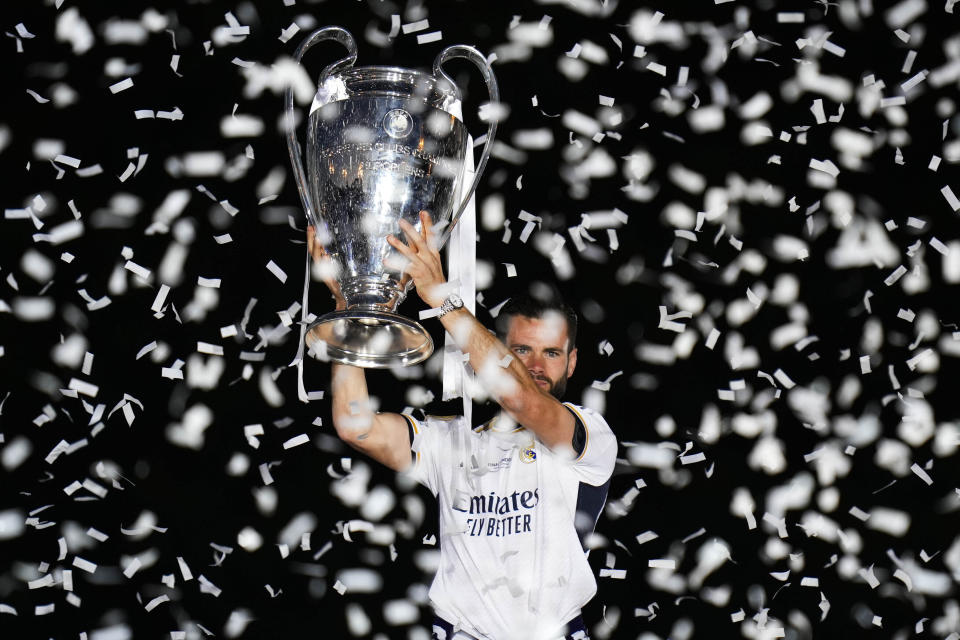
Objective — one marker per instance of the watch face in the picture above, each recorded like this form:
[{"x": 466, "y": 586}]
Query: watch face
[{"x": 455, "y": 301}]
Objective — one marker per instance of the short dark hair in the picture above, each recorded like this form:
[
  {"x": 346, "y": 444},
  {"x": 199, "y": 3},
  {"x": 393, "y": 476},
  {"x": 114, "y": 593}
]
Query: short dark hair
[{"x": 534, "y": 307}]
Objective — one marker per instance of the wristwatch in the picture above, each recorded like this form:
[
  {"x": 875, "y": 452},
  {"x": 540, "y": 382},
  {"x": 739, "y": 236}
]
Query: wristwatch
[{"x": 452, "y": 303}]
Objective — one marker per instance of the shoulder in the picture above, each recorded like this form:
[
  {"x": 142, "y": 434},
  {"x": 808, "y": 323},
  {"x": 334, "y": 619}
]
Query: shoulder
[
  {"x": 432, "y": 423},
  {"x": 587, "y": 417},
  {"x": 600, "y": 444}
]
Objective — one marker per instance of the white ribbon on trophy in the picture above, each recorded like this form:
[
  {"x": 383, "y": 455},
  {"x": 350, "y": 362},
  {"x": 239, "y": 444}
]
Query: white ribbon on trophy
[
  {"x": 305, "y": 319},
  {"x": 462, "y": 268}
]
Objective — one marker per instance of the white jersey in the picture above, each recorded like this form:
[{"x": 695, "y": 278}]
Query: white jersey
[{"x": 512, "y": 517}]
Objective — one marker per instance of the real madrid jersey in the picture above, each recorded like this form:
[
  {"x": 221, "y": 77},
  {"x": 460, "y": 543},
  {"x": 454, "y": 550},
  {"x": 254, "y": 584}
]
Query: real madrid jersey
[{"x": 513, "y": 515}]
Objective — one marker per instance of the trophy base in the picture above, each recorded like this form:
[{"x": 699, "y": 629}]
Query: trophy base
[{"x": 369, "y": 339}]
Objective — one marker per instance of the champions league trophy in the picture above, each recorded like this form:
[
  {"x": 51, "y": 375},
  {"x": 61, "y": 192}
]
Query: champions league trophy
[{"x": 383, "y": 144}]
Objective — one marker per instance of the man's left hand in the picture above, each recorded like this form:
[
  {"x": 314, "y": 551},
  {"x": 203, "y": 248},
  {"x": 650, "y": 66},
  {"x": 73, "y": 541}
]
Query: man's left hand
[{"x": 424, "y": 264}]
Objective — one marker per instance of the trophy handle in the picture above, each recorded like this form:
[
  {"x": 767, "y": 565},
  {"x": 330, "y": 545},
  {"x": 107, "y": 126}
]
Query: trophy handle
[
  {"x": 345, "y": 38},
  {"x": 478, "y": 59}
]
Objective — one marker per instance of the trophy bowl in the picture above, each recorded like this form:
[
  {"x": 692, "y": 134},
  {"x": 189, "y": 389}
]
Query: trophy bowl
[{"x": 382, "y": 145}]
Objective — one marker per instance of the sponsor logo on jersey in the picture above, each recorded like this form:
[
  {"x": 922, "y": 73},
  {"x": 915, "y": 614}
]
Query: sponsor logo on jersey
[{"x": 500, "y": 515}]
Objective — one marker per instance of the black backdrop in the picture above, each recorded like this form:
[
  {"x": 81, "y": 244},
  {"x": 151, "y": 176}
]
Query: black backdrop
[{"x": 751, "y": 210}]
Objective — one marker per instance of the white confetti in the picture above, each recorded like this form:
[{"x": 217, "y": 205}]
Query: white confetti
[
  {"x": 184, "y": 569},
  {"x": 277, "y": 271},
  {"x": 154, "y": 603},
  {"x": 426, "y": 38},
  {"x": 826, "y": 166},
  {"x": 646, "y": 536},
  {"x": 160, "y": 299},
  {"x": 289, "y": 32},
  {"x": 667, "y": 320},
  {"x": 658, "y": 68},
  {"x": 617, "y": 574},
  {"x": 296, "y": 441},
  {"x": 662, "y": 563},
  {"x": 85, "y": 565},
  {"x": 920, "y": 473},
  {"x": 950, "y": 197},
  {"x": 117, "y": 87}
]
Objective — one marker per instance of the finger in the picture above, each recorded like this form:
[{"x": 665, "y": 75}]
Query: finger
[
  {"x": 397, "y": 263},
  {"x": 426, "y": 226},
  {"x": 413, "y": 237},
  {"x": 315, "y": 248},
  {"x": 399, "y": 245}
]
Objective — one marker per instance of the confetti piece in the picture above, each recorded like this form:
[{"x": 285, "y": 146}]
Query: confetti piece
[
  {"x": 692, "y": 459},
  {"x": 160, "y": 299},
  {"x": 137, "y": 270},
  {"x": 208, "y": 587},
  {"x": 426, "y": 38},
  {"x": 826, "y": 166},
  {"x": 123, "y": 85},
  {"x": 779, "y": 523},
  {"x": 277, "y": 271},
  {"x": 657, "y": 68},
  {"x": 414, "y": 27},
  {"x": 36, "y": 96},
  {"x": 184, "y": 569},
  {"x": 617, "y": 574},
  {"x": 296, "y": 441},
  {"x": 84, "y": 565},
  {"x": 920, "y": 473},
  {"x": 666, "y": 563},
  {"x": 950, "y": 197},
  {"x": 85, "y": 388},
  {"x": 646, "y": 536},
  {"x": 667, "y": 320},
  {"x": 265, "y": 474}
]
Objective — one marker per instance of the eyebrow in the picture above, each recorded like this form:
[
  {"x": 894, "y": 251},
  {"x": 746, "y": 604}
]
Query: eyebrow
[{"x": 514, "y": 345}]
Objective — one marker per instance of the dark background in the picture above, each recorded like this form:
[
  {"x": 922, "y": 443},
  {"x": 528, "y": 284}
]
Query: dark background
[{"x": 205, "y": 494}]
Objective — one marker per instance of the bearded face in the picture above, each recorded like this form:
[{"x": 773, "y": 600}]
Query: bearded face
[{"x": 543, "y": 346}]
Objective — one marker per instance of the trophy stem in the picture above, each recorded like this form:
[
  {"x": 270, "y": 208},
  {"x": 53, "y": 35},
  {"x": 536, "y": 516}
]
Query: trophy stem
[{"x": 368, "y": 338}]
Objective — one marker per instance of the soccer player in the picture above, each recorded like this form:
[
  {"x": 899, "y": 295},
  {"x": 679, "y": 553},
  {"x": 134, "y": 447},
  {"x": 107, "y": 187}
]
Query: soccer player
[{"x": 517, "y": 495}]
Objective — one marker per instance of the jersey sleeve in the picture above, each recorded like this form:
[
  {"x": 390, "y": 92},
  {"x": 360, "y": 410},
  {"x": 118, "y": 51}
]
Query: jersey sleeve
[
  {"x": 425, "y": 437},
  {"x": 595, "y": 463}
]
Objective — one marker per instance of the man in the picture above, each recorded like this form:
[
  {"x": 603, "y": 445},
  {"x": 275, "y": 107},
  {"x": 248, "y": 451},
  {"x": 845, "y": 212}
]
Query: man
[{"x": 517, "y": 495}]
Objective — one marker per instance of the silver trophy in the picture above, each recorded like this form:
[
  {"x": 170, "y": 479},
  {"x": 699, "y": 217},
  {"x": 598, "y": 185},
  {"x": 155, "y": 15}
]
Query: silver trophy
[{"x": 383, "y": 144}]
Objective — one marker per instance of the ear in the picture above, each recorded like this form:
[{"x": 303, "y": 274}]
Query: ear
[{"x": 571, "y": 362}]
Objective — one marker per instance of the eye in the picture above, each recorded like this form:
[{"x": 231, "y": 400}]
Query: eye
[
  {"x": 553, "y": 353},
  {"x": 521, "y": 350}
]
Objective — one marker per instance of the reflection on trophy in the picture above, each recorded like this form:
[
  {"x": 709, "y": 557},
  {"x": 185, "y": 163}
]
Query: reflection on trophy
[{"x": 383, "y": 143}]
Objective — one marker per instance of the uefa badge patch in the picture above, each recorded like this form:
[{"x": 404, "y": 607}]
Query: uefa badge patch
[{"x": 528, "y": 455}]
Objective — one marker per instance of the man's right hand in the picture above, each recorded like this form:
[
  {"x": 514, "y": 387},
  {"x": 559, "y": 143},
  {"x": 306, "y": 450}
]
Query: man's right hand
[{"x": 328, "y": 267}]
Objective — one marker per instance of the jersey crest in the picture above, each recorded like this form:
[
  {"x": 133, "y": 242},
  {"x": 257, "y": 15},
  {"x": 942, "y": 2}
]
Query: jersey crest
[{"x": 528, "y": 455}]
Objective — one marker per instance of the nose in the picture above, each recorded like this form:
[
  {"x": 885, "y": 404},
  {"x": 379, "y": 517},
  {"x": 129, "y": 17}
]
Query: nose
[{"x": 534, "y": 364}]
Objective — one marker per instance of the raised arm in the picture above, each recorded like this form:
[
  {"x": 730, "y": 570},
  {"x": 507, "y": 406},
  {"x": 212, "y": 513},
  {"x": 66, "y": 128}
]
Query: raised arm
[
  {"x": 502, "y": 372},
  {"x": 385, "y": 437},
  {"x": 382, "y": 436}
]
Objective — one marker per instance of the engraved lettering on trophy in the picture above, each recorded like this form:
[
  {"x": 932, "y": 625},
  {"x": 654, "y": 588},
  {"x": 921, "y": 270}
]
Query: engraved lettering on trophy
[{"x": 357, "y": 147}]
